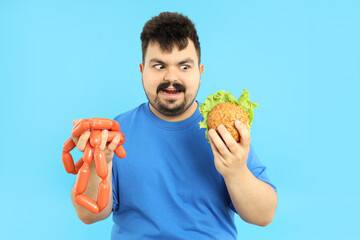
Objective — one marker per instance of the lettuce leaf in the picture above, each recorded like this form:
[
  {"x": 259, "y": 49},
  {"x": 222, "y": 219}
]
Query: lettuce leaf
[{"x": 222, "y": 96}]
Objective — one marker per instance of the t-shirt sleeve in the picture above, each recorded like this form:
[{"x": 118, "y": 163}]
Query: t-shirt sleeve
[{"x": 257, "y": 169}]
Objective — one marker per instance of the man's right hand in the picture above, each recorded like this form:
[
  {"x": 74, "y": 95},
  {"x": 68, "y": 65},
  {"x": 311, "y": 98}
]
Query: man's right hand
[
  {"x": 107, "y": 148},
  {"x": 94, "y": 180}
]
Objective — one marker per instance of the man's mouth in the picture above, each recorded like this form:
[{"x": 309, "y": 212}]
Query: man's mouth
[{"x": 171, "y": 91}]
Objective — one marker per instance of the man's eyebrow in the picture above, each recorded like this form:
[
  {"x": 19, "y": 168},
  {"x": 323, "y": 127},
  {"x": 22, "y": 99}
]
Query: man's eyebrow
[
  {"x": 156, "y": 60},
  {"x": 187, "y": 60}
]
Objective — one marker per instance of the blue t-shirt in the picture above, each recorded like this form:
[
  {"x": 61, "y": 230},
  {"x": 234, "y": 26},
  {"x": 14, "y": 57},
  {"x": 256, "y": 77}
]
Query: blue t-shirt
[{"x": 167, "y": 187}]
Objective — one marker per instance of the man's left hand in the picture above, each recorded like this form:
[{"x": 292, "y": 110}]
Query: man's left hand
[{"x": 230, "y": 157}]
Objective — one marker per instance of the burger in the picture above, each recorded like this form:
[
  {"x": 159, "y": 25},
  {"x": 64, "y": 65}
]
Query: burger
[{"x": 222, "y": 108}]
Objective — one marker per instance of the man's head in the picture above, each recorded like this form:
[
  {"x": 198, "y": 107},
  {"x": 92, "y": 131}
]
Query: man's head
[
  {"x": 169, "y": 30},
  {"x": 171, "y": 67}
]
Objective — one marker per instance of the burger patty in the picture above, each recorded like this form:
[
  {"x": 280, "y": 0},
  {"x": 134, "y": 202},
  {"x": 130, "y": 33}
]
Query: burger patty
[{"x": 225, "y": 114}]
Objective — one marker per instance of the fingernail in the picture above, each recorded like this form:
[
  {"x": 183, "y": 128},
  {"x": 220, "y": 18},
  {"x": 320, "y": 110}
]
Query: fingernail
[{"x": 237, "y": 122}]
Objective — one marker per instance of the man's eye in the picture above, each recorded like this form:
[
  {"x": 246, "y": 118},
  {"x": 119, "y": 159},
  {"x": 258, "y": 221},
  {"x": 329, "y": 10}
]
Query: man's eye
[
  {"x": 159, "y": 66},
  {"x": 184, "y": 67}
]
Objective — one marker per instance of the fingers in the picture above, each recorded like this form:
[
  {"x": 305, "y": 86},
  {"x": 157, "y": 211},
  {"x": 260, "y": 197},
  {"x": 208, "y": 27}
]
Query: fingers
[
  {"x": 213, "y": 147},
  {"x": 84, "y": 138},
  {"x": 219, "y": 160},
  {"x": 227, "y": 137},
  {"x": 75, "y": 139},
  {"x": 219, "y": 143},
  {"x": 81, "y": 143},
  {"x": 225, "y": 142},
  {"x": 109, "y": 151},
  {"x": 244, "y": 133},
  {"x": 115, "y": 142},
  {"x": 104, "y": 137}
]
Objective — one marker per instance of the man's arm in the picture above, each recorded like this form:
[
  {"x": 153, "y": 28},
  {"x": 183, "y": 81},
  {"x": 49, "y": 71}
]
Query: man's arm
[
  {"x": 92, "y": 191},
  {"x": 254, "y": 200},
  {"x": 93, "y": 184}
]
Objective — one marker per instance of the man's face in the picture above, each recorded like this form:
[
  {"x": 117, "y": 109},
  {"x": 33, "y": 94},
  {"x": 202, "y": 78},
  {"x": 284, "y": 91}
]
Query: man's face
[{"x": 171, "y": 80}]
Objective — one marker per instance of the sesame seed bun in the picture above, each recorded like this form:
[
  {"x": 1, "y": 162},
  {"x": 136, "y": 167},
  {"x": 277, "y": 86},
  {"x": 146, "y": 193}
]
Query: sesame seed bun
[{"x": 226, "y": 114}]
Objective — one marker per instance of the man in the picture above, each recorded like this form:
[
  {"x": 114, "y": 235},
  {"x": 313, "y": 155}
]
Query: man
[{"x": 173, "y": 184}]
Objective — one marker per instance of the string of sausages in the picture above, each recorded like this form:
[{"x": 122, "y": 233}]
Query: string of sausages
[{"x": 92, "y": 152}]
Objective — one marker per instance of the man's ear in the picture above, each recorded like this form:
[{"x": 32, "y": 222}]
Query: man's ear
[
  {"x": 201, "y": 69},
  {"x": 141, "y": 65}
]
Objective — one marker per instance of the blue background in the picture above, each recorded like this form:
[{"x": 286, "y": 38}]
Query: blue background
[{"x": 300, "y": 60}]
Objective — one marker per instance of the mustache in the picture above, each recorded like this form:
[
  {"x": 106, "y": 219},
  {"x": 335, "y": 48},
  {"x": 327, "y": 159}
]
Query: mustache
[{"x": 164, "y": 85}]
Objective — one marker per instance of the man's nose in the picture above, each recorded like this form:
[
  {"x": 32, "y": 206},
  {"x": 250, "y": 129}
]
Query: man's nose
[{"x": 171, "y": 74}]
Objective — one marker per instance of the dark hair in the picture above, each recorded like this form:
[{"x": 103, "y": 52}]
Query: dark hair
[{"x": 169, "y": 30}]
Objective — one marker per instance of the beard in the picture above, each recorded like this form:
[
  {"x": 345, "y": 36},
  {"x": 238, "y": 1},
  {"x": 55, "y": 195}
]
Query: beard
[{"x": 171, "y": 107}]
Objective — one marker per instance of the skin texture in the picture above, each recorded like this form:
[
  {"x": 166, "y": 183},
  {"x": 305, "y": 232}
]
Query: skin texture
[{"x": 180, "y": 67}]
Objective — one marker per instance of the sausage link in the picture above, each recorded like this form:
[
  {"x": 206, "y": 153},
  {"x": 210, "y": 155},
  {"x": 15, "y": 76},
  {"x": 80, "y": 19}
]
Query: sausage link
[
  {"x": 100, "y": 123},
  {"x": 82, "y": 179},
  {"x": 116, "y": 126},
  {"x": 122, "y": 138},
  {"x": 111, "y": 135},
  {"x": 100, "y": 162},
  {"x": 95, "y": 138},
  {"x": 68, "y": 162},
  {"x": 78, "y": 165},
  {"x": 87, "y": 203},
  {"x": 92, "y": 151},
  {"x": 80, "y": 128},
  {"x": 103, "y": 194},
  {"x": 69, "y": 145},
  {"x": 120, "y": 151},
  {"x": 88, "y": 153}
]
